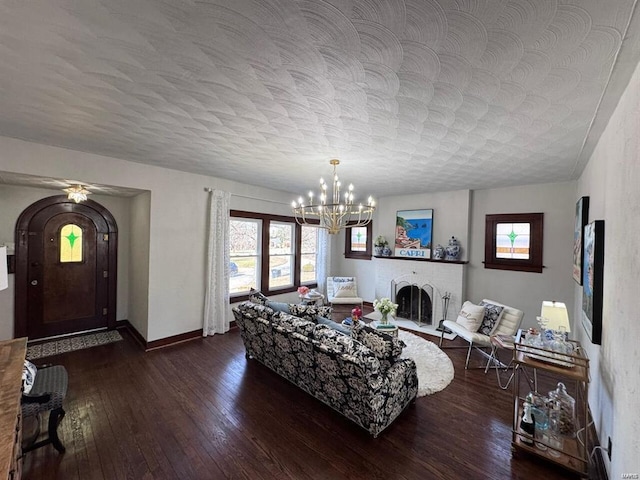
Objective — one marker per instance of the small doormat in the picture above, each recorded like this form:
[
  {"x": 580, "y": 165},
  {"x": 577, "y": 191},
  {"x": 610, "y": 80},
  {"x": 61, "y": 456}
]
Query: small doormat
[{"x": 64, "y": 345}]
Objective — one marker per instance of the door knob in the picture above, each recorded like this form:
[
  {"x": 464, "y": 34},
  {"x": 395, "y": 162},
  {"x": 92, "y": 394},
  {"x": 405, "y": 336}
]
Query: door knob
[{"x": 34, "y": 282}]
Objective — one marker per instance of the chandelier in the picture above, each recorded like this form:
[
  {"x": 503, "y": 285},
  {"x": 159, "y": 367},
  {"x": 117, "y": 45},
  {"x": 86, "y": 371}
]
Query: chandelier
[
  {"x": 334, "y": 211},
  {"x": 77, "y": 193}
]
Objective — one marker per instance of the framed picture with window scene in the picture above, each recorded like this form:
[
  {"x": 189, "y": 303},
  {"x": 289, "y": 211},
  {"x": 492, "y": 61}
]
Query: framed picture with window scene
[
  {"x": 582, "y": 217},
  {"x": 592, "y": 277}
]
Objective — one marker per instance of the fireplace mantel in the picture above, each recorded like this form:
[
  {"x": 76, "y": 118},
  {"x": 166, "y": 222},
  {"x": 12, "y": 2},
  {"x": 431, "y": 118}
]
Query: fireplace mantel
[{"x": 453, "y": 262}]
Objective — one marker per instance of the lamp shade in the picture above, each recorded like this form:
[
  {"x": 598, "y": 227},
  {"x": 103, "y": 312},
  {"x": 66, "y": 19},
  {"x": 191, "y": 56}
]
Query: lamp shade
[
  {"x": 555, "y": 315},
  {"x": 4, "y": 275}
]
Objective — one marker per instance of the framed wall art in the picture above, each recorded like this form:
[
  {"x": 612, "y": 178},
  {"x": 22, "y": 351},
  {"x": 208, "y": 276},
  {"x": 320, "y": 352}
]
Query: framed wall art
[
  {"x": 413, "y": 233},
  {"x": 582, "y": 217},
  {"x": 592, "y": 276}
]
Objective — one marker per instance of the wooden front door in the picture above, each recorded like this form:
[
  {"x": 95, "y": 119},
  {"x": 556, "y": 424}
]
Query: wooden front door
[{"x": 65, "y": 268}]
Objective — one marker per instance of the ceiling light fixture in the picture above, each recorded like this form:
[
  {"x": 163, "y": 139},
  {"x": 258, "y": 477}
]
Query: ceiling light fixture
[
  {"x": 334, "y": 212},
  {"x": 77, "y": 193}
]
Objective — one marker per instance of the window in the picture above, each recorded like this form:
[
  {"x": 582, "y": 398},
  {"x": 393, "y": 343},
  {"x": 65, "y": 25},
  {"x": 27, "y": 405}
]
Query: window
[
  {"x": 357, "y": 242},
  {"x": 308, "y": 255},
  {"x": 244, "y": 269},
  {"x": 514, "y": 242},
  {"x": 281, "y": 255},
  {"x": 270, "y": 253},
  {"x": 70, "y": 243}
]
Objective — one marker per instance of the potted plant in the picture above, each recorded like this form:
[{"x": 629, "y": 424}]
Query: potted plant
[{"x": 379, "y": 244}]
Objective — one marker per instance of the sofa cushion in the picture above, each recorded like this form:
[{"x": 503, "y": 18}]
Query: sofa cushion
[
  {"x": 344, "y": 349},
  {"x": 254, "y": 310},
  {"x": 325, "y": 310},
  {"x": 308, "y": 312},
  {"x": 492, "y": 315},
  {"x": 387, "y": 348},
  {"x": 471, "y": 316},
  {"x": 258, "y": 297},
  {"x": 279, "y": 306},
  {"x": 286, "y": 322},
  {"x": 331, "y": 324}
]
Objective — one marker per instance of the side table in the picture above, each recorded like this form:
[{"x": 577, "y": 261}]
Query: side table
[
  {"x": 311, "y": 300},
  {"x": 389, "y": 329}
]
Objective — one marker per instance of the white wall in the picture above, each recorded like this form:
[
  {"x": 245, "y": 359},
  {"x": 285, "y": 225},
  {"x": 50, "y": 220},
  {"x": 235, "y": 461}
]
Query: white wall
[
  {"x": 176, "y": 218},
  {"x": 462, "y": 214},
  {"x": 525, "y": 290},
  {"x": 14, "y": 199},
  {"x": 450, "y": 218},
  {"x": 611, "y": 180},
  {"x": 138, "y": 293}
]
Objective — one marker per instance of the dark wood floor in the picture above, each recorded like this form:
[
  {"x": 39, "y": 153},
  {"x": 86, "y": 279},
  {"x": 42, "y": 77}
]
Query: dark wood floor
[{"x": 200, "y": 410}]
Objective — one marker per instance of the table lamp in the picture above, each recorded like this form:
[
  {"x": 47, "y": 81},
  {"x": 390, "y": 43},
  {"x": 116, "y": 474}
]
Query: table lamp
[{"x": 554, "y": 316}]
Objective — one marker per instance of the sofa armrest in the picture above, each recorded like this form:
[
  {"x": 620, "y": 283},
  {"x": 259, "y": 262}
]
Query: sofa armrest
[{"x": 401, "y": 372}]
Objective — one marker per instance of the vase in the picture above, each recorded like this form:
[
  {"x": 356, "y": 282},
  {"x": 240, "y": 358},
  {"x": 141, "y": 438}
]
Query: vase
[
  {"x": 385, "y": 319},
  {"x": 453, "y": 249},
  {"x": 377, "y": 251},
  {"x": 438, "y": 252}
]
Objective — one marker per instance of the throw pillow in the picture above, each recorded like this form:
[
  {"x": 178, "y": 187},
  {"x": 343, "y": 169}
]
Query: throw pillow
[
  {"x": 257, "y": 297},
  {"x": 344, "y": 290},
  {"x": 342, "y": 279},
  {"x": 278, "y": 306},
  {"x": 385, "y": 347},
  {"x": 284, "y": 322},
  {"x": 29, "y": 371},
  {"x": 336, "y": 326},
  {"x": 492, "y": 316},
  {"x": 325, "y": 310},
  {"x": 471, "y": 316},
  {"x": 308, "y": 312}
]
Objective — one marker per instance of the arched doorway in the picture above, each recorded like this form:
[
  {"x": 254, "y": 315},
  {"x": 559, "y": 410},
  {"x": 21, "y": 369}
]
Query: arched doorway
[{"x": 66, "y": 262}]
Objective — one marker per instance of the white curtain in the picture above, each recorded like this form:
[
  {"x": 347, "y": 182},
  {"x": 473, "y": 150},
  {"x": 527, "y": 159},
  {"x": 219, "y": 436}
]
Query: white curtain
[
  {"x": 324, "y": 259},
  {"x": 217, "y": 312}
]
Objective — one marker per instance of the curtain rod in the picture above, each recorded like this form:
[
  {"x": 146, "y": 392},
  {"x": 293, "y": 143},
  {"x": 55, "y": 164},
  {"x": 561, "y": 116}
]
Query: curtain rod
[{"x": 209, "y": 190}]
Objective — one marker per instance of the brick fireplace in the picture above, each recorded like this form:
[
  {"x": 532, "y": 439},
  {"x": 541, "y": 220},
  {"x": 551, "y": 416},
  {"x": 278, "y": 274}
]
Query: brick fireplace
[{"x": 418, "y": 287}]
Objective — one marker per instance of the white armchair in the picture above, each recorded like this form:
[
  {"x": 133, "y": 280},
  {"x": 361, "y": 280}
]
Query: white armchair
[
  {"x": 508, "y": 324},
  {"x": 343, "y": 291}
]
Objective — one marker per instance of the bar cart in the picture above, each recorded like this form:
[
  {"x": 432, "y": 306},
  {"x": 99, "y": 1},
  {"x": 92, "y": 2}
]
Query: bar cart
[{"x": 571, "y": 451}]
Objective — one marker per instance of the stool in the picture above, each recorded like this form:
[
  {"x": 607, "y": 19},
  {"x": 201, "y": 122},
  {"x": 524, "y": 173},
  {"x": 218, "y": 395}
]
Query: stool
[{"x": 47, "y": 394}]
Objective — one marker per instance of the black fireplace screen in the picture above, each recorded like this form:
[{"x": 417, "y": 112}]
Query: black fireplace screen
[{"x": 414, "y": 303}]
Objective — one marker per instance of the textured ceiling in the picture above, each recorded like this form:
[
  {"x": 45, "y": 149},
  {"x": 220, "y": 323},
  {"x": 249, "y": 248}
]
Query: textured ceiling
[{"x": 411, "y": 95}]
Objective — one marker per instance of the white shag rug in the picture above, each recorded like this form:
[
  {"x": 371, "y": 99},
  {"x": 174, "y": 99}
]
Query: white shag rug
[{"x": 435, "y": 370}]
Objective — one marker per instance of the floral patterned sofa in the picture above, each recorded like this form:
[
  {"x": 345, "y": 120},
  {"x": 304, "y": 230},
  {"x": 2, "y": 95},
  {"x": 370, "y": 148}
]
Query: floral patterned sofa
[{"x": 360, "y": 376}]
